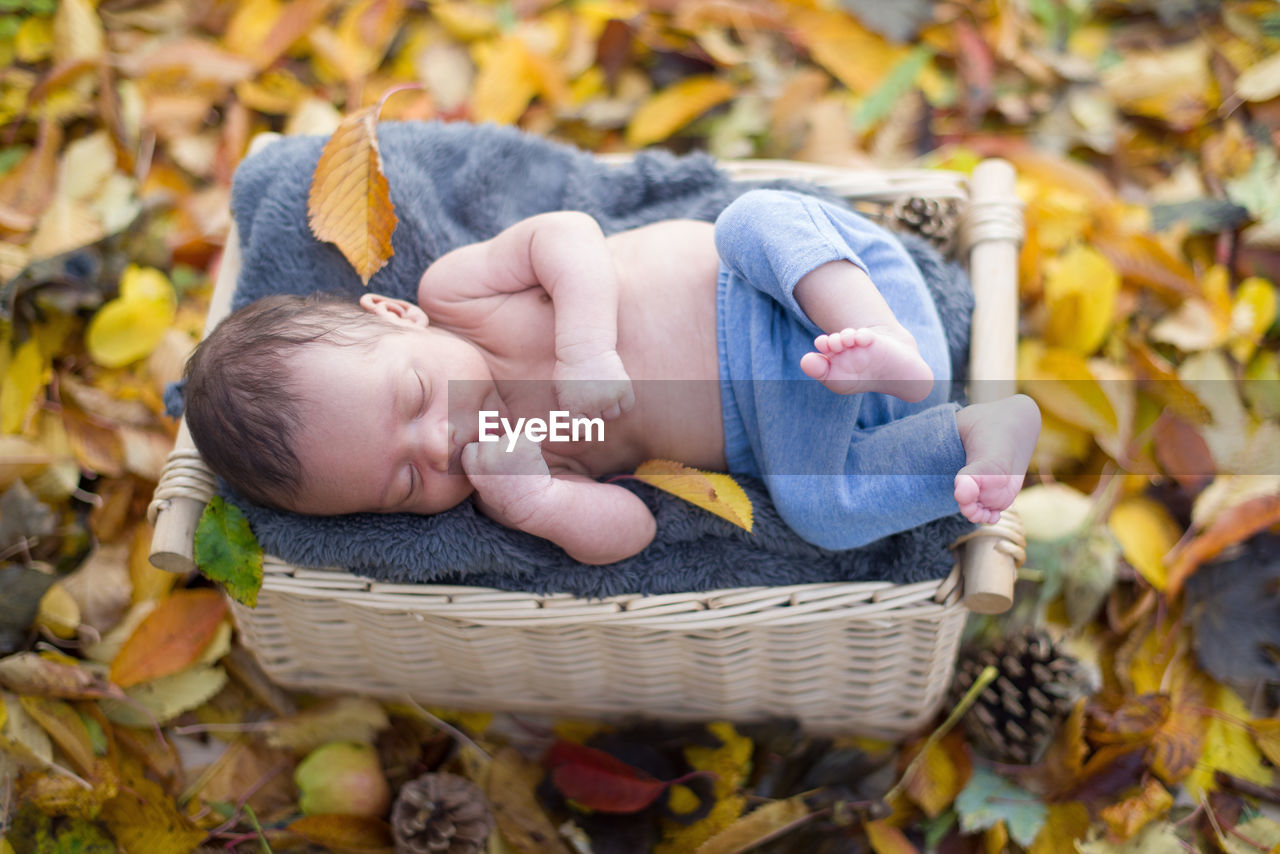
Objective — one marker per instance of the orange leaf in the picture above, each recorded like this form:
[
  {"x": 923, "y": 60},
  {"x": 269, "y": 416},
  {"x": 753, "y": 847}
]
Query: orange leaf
[
  {"x": 1132, "y": 814},
  {"x": 353, "y": 833},
  {"x": 1232, "y": 526},
  {"x": 716, "y": 493},
  {"x": 350, "y": 202},
  {"x": 171, "y": 638}
]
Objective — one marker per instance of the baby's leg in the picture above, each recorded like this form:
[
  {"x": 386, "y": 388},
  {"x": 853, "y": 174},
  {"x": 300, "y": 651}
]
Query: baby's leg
[
  {"x": 869, "y": 351},
  {"x": 998, "y": 440}
]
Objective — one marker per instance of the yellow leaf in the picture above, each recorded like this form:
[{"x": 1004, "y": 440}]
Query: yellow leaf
[
  {"x": 34, "y": 41},
  {"x": 59, "y": 612},
  {"x": 1174, "y": 84},
  {"x": 939, "y": 778},
  {"x": 506, "y": 81},
  {"x": 27, "y": 374},
  {"x": 77, "y": 32},
  {"x": 1066, "y": 823},
  {"x": 1260, "y": 82},
  {"x": 1252, "y": 312},
  {"x": 716, "y": 493},
  {"x": 64, "y": 727},
  {"x": 755, "y": 827},
  {"x": 1063, "y": 384},
  {"x": 852, "y": 54},
  {"x": 124, "y": 331},
  {"x": 887, "y": 839},
  {"x": 148, "y": 582},
  {"x": 1228, "y": 746},
  {"x": 1080, "y": 288},
  {"x": 144, "y": 817},
  {"x": 465, "y": 21},
  {"x": 1266, "y": 732},
  {"x": 1146, "y": 532},
  {"x": 350, "y": 202},
  {"x": 674, "y": 107}
]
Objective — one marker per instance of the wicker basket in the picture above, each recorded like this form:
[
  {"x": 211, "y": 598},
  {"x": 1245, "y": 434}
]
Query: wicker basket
[{"x": 867, "y": 657}]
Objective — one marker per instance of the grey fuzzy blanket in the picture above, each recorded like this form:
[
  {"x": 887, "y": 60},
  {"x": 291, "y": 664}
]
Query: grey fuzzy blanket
[{"x": 454, "y": 184}]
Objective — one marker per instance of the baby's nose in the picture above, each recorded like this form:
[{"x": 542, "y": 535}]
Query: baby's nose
[{"x": 440, "y": 446}]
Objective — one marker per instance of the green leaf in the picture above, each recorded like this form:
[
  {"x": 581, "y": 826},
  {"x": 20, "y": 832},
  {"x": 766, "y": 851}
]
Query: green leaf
[
  {"x": 1202, "y": 216},
  {"x": 896, "y": 84},
  {"x": 228, "y": 552},
  {"x": 988, "y": 799}
]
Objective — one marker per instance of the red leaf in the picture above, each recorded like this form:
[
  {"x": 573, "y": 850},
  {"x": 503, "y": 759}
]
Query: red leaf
[{"x": 599, "y": 781}]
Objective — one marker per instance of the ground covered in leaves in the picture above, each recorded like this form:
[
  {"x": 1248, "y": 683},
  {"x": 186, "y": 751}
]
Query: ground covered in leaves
[{"x": 1145, "y": 136}]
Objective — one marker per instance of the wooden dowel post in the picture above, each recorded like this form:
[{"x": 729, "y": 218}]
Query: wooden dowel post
[{"x": 994, "y": 229}]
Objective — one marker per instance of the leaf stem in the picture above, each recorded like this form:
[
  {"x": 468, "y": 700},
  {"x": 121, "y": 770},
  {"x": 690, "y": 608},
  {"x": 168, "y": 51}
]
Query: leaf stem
[{"x": 989, "y": 674}]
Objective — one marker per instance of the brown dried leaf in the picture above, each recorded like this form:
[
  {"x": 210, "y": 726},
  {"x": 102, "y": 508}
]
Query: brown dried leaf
[
  {"x": 352, "y": 833},
  {"x": 522, "y": 822},
  {"x": 759, "y": 826},
  {"x": 341, "y": 719},
  {"x": 171, "y": 638},
  {"x": 350, "y": 202},
  {"x": 1230, "y": 527},
  {"x": 35, "y": 675}
]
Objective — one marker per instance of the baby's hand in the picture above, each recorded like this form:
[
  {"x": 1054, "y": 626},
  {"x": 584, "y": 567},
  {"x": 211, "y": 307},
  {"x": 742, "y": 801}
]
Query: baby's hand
[
  {"x": 595, "y": 387},
  {"x": 512, "y": 483}
]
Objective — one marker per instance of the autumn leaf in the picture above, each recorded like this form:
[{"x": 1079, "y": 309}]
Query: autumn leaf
[
  {"x": 351, "y": 833},
  {"x": 988, "y": 799},
  {"x": 524, "y": 826},
  {"x": 65, "y": 727},
  {"x": 1228, "y": 746},
  {"x": 350, "y": 201},
  {"x": 1080, "y": 288},
  {"x": 226, "y": 551},
  {"x": 129, "y": 327},
  {"x": 714, "y": 492},
  {"x": 1067, "y": 823},
  {"x": 762, "y": 824},
  {"x": 1266, "y": 732},
  {"x": 143, "y": 817},
  {"x": 41, "y": 676},
  {"x": 601, "y": 782},
  {"x": 674, "y": 107},
  {"x": 1129, "y": 816},
  {"x": 171, "y": 638},
  {"x": 1230, "y": 527},
  {"x": 1146, "y": 533}
]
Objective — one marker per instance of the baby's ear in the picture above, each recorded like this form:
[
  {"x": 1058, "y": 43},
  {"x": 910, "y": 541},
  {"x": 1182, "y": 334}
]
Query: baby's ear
[{"x": 395, "y": 310}]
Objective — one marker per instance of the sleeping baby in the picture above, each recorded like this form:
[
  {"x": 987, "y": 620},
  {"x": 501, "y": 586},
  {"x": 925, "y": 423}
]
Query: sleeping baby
[{"x": 793, "y": 341}]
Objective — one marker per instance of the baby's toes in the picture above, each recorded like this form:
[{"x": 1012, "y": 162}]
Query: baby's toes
[
  {"x": 966, "y": 490},
  {"x": 815, "y": 365},
  {"x": 849, "y": 338}
]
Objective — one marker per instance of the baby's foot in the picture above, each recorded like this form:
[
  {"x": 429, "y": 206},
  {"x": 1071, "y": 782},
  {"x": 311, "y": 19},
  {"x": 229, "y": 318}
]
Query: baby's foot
[
  {"x": 870, "y": 359},
  {"x": 998, "y": 440}
]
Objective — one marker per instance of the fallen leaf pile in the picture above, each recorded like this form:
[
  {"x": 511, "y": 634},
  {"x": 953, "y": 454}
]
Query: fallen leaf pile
[{"x": 1145, "y": 138}]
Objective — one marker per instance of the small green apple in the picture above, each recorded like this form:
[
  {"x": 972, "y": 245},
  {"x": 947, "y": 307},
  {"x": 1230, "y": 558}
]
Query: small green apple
[{"x": 342, "y": 777}]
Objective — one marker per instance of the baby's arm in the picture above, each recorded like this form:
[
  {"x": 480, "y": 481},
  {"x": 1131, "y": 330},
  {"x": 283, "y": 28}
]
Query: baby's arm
[
  {"x": 594, "y": 522},
  {"x": 564, "y": 253}
]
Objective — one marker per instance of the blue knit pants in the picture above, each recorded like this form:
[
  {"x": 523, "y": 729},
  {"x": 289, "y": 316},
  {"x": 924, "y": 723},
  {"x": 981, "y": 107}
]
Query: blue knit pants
[{"x": 843, "y": 470}]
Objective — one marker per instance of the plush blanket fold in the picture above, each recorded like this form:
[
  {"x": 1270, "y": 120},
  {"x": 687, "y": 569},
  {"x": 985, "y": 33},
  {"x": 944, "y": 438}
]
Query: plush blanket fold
[{"x": 454, "y": 184}]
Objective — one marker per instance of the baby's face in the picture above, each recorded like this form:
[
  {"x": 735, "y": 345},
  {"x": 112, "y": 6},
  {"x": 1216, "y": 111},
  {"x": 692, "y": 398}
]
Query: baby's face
[{"x": 379, "y": 431}]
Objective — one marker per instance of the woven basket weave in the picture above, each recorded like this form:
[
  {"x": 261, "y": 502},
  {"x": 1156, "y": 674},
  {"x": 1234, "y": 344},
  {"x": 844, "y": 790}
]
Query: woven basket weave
[{"x": 866, "y": 657}]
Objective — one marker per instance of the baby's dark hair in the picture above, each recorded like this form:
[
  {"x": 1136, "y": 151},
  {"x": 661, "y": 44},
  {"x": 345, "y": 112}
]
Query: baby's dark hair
[{"x": 242, "y": 404}]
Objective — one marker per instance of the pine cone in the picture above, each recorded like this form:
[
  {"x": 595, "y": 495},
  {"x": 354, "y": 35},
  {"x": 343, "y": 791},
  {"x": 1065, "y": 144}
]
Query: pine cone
[
  {"x": 933, "y": 219},
  {"x": 440, "y": 814},
  {"x": 1015, "y": 718}
]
